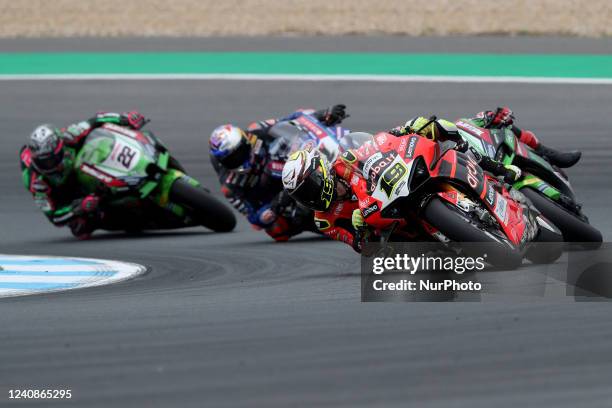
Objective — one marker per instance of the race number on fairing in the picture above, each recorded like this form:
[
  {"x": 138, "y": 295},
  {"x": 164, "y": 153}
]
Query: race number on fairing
[{"x": 123, "y": 157}]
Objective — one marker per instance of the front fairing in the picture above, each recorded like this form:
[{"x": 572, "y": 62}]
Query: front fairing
[{"x": 116, "y": 158}]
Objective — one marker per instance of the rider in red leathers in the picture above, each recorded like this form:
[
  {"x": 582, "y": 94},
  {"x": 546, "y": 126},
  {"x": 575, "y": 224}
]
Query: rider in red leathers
[{"x": 339, "y": 193}]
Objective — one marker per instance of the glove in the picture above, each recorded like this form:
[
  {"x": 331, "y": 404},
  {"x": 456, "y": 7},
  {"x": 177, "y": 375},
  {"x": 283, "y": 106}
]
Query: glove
[
  {"x": 263, "y": 218},
  {"x": 501, "y": 117},
  {"x": 133, "y": 119},
  {"x": 77, "y": 130},
  {"x": 398, "y": 131},
  {"x": 513, "y": 174},
  {"x": 357, "y": 219},
  {"x": 334, "y": 114}
]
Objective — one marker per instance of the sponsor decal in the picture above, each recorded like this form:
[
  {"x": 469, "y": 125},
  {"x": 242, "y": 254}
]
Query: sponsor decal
[
  {"x": 122, "y": 130},
  {"x": 370, "y": 210},
  {"x": 355, "y": 180},
  {"x": 378, "y": 167},
  {"x": 370, "y": 161},
  {"x": 501, "y": 209},
  {"x": 402, "y": 144},
  {"x": 276, "y": 166},
  {"x": 411, "y": 146},
  {"x": 257, "y": 148},
  {"x": 338, "y": 208},
  {"x": 392, "y": 177},
  {"x": 349, "y": 157},
  {"x": 470, "y": 128},
  {"x": 401, "y": 185},
  {"x": 472, "y": 176},
  {"x": 103, "y": 177},
  {"x": 381, "y": 138},
  {"x": 312, "y": 127},
  {"x": 450, "y": 196},
  {"x": 490, "y": 194}
]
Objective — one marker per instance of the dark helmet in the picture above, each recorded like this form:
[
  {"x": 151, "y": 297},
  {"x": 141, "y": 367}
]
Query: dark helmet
[
  {"x": 309, "y": 179},
  {"x": 46, "y": 147},
  {"x": 230, "y": 146}
]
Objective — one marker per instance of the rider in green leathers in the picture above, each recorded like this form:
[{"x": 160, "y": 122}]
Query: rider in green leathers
[{"x": 47, "y": 165}]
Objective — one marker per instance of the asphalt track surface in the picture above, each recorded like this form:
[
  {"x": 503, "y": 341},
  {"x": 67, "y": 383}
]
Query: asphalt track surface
[{"x": 236, "y": 320}]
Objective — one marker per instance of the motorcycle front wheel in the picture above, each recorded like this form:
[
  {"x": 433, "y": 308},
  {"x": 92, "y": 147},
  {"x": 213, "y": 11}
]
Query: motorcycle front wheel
[
  {"x": 458, "y": 227},
  {"x": 206, "y": 209},
  {"x": 573, "y": 228}
]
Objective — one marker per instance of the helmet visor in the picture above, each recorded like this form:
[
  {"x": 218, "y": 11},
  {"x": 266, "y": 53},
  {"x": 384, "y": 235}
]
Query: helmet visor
[
  {"x": 238, "y": 157},
  {"x": 316, "y": 190},
  {"x": 49, "y": 163}
]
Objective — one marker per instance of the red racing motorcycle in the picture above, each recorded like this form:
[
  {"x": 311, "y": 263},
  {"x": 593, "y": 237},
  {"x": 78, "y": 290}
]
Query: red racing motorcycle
[{"x": 412, "y": 185}]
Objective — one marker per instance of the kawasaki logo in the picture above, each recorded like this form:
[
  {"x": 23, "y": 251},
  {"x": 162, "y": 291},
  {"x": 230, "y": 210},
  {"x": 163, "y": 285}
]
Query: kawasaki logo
[
  {"x": 96, "y": 174},
  {"x": 471, "y": 128}
]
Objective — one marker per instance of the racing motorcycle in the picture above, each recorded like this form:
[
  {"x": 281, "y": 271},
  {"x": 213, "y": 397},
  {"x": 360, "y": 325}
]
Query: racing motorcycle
[
  {"x": 545, "y": 185},
  {"x": 143, "y": 186},
  {"x": 301, "y": 133},
  {"x": 413, "y": 182}
]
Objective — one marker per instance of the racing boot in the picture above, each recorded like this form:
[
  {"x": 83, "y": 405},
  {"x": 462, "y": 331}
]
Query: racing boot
[
  {"x": 559, "y": 159},
  {"x": 82, "y": 228}
]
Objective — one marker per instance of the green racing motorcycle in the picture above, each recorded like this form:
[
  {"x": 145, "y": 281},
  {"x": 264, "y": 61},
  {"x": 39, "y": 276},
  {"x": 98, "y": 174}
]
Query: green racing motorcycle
[
  {"x": 545, "y": 185},
  {"x": 142, "y": 186}
]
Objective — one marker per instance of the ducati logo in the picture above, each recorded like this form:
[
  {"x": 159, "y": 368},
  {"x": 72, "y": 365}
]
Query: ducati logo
[{"x": 472, "y": 176}]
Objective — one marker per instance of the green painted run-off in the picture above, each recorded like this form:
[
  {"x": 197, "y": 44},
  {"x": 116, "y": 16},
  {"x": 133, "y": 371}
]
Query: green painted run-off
[{"x": 563, "y": 66}]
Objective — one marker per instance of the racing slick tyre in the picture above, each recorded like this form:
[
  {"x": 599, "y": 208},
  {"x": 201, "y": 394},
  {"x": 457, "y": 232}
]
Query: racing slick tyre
[
  {"x": 207, "y": 210},
  {"x": 457, "y": 227},
  {"x": 547, "y": 246},
  {"x": 573, "y": 228}
]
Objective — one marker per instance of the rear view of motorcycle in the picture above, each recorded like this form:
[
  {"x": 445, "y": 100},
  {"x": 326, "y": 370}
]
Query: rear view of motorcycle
[{"x": 545, "y": 185}]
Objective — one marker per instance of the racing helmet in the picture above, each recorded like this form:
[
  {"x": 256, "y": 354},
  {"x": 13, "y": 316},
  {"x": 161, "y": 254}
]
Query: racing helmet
[
  {"x": 230, "y": 146},
  {"x": 46, "y": 147},
  {"x": 309, "y": 179}
]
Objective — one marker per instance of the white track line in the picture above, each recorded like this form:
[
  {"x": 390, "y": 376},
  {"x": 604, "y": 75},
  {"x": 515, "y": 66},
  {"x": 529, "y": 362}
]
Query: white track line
[
  {"x": 27, "y": 275},
  {"x": 296, "y": 77}
]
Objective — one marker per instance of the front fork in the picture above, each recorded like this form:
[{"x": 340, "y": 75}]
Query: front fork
[{"x": 161, "y": 196}]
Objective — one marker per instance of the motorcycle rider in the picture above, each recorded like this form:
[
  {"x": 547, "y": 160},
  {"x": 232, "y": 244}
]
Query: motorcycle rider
[
  {"x": 442, "y": 130},
  {"x": 503, "y": 117},
  {"x": 47, "y": 165},
  {"x": 249, "y": 176},
  {"x": 328, "y": 188}
]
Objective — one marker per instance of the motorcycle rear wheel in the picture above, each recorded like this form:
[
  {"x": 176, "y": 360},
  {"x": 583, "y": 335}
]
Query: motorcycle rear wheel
[
  {"x": 457, "y": 227},
  {"x": 207, "y": 210},
  {"x": 572, "y": 227}
]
